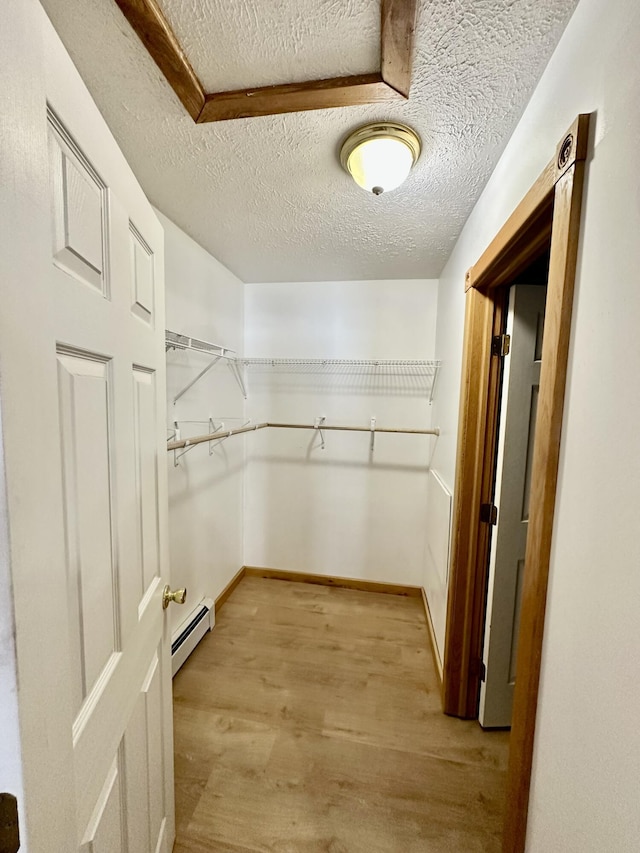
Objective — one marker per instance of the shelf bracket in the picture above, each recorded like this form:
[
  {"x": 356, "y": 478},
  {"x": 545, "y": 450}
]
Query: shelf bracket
[
  {"x": 213, "y": 429},
  {"x": 432, "y": 390},
  {"x": 198, "y": 377},
  {"x": 318, "y": 425},
  {"x": 373, "y": 436},
  {"x": 235, "y": 369},
  {"x": 178, "y": 456}
]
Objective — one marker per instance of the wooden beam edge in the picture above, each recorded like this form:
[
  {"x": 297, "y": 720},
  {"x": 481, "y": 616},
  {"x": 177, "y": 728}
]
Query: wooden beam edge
[
  {"x": 390, "y": 85},
  {"x": 398, "y": 24},
  {"x": 297, "y": 97},
  {"x": 153, "y": 30},
  {"x": 333, "y": 580}
]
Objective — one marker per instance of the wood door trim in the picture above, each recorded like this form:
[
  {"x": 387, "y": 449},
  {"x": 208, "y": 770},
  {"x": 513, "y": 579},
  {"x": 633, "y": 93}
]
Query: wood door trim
[
  {"x": 546, "y": 454},
  {"x": 391, "y": 83},
  {"x": 488, "y": 272},
  {"x": 549, "y": 211},
  {"x": 465, "y": 603}
]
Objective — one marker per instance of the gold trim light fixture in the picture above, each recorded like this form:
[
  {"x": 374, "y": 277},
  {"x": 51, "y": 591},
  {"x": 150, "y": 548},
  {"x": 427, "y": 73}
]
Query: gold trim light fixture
[{"x": 380, "y": 156}]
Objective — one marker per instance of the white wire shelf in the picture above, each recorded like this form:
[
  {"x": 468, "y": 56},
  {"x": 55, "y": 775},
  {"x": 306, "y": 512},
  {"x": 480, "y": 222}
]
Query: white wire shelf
[
  {"x": 355, "y": 362},
  {"x": 174, "y": 340},
  {"x": 383, "y": 375}
]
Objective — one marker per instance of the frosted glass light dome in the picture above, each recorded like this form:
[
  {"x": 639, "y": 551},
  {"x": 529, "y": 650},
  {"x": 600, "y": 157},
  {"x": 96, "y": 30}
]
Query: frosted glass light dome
[{"x": 379, "y": 157}]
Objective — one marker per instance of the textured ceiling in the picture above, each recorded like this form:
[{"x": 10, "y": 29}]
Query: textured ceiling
[
  {"x": 246, "y": 43},
  {"x": 267, "y": 196}
]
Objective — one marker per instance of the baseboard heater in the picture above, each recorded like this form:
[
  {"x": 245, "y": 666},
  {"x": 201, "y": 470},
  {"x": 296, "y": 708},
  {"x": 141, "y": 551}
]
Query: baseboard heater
[{"x": 188, "y": 634}]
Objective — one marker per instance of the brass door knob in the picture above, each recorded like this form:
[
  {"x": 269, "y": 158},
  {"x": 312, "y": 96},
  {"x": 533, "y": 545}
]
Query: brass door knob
[{"x": 178, "y": 596}]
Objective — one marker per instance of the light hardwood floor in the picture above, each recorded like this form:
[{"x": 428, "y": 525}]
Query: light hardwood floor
[{"x": 309, "y": 720}]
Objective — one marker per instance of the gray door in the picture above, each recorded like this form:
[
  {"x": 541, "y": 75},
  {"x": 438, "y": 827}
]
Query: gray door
[{"x": 521, "y": 381}]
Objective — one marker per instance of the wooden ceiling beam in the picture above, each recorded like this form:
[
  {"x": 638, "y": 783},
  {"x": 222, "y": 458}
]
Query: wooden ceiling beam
[
  {"x": 298, "y": 97},
  {"x": 388, "y": 86},
  {"x": 398, "y": 28},
  {"x": 151, "y": 26}
]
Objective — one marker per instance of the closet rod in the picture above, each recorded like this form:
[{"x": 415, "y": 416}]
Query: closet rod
[
  {"x": 199, "y": 439},
  {"x": 358, "y": 429}
]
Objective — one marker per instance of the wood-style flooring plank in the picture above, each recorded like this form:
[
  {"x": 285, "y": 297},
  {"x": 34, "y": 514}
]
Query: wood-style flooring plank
[{"x": 309, "y": 720}]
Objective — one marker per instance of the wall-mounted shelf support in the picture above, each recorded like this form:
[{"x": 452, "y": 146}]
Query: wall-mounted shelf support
[
  {"x": 318, "y": 425},
  {"x": 177, "y": 456},
  {"x": 213, "y": 429},
  {"x": 188, "y": 445},
  {"x": 174, "y": 340},
  {"x": 235, "y": 369},
  {"x": 198, "y": 377}
]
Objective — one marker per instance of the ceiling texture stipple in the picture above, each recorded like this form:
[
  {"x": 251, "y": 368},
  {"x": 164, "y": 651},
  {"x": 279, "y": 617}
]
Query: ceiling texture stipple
[
  {"x": 267, "y": 196},
  {"x": 246, "y": 43}
]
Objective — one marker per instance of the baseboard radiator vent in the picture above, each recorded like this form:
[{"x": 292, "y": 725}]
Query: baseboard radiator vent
[{"x": 188, "y": 634}]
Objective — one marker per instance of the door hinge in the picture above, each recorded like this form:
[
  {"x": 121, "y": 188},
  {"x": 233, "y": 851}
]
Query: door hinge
[
  {"x": 9, "y": 830},
  {"x": 500, "y": 345},
  {"x": 482, "y": 671},
  {"x": 489, "y": 513}
]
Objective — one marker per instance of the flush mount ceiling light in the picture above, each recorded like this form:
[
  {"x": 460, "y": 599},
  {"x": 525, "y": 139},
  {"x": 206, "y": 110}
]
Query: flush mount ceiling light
[{"x": 380, "y": 156}]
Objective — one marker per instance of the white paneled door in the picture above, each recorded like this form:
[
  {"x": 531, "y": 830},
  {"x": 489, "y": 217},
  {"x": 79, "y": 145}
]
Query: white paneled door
[
  {"x": 521, "y": 380},
  {"x": 82, "y": 357}
]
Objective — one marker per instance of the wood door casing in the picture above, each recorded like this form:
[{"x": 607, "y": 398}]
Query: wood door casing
[{"x": 551, "y": 209}]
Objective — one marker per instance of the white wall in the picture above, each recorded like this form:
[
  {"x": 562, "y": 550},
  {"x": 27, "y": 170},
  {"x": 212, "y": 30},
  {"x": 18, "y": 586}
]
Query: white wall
[
  {"x": 586, "y": 777},
  {"x": 336, "y": 511},
  {"x": 204, "y": 300}
]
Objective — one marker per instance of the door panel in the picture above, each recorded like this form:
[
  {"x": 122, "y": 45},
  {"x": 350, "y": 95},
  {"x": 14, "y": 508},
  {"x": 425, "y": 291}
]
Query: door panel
[
  {"x": 146, "y": 467},
  {"x": 82, "y": 358},
  {"x": 110, "y": 459},
  {"x": 105, "y": 831},
  {"x": 144, "y": 765},
  {"x": 518, "y": 412},
  {"x": 84, "y": 411},
  {"x": 152, "y": 690},
  {"x": 514, "y": 626},
  {"x": 533, "y": 414},
  {"x": 137, "y": 789},
  {"x": 141, "y": 276},
  {"x": 79, "y": 205}
]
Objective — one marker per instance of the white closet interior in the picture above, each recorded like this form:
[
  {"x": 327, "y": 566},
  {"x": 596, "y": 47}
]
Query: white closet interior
[{"x": 302, "y": 441}]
